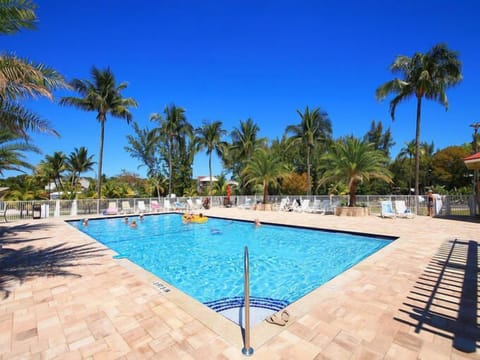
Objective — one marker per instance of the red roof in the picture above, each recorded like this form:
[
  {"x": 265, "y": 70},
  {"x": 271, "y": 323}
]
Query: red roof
[{"x": 472, "y": 157}]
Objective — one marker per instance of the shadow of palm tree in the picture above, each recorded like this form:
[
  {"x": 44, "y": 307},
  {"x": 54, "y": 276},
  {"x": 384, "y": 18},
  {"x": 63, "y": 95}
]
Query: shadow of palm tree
[
  {"x": 20, "y": 264},
  {"x": 444, "y": 299}
]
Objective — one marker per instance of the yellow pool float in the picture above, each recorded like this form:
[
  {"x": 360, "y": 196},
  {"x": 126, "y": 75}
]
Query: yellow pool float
[{"x": 194, "y": 219}]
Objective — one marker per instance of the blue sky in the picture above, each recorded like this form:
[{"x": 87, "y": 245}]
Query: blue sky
[{"x": 231, "y": 60}]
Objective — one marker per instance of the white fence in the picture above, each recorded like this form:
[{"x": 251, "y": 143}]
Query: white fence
[{"x": 451, "y": 205}]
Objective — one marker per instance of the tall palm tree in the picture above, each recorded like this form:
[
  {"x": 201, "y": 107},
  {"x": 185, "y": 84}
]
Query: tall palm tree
[
  {"x": 21, "y": 78},
  {"x": 422, "y": 75},
  {"x": 245, "y": 141},
  {"x": 352, "y": 160},
  {"x": 265, "y": 169},
  {"x": 209, "y": 137},
  {"x": 144, "y": 147},
  {"x": 103, "y": 96},
  {"x": 79, "y": 162},
  {"x": 314, "y": 126},
  {"x": 174, "y": 125},
  {"x": 12, "y": 147}
]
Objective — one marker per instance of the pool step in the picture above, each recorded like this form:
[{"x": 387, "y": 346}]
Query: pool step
[{"x": 237, "y": 301}]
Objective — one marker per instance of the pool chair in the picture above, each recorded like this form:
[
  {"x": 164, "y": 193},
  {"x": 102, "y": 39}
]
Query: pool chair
[
  {"x": 141, "y": 206},
  {"x": 247, "y": 204},
  {"x": 112, "y": 209},
  {"x": 166, "y": 205},
  {"x": 126, "y": 209},
  {"x": 402, "y": 211},
  {"x": 198, "y": 203},
  {"x": 155, "y": 206},
  {"x": 387, "y": 209},
  {"x": 180, "y": 206},
  {"x": 303, "y": 206},
  {"x": 316, "y": 208},
  {"x": 283, "y": 205}
]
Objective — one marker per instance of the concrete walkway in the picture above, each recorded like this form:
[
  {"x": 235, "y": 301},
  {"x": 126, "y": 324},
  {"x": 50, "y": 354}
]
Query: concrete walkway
[{"x": 63, "y": 296}]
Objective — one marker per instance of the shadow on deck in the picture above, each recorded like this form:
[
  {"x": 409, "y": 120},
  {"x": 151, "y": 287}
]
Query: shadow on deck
[{"x": 444, "y": 298}]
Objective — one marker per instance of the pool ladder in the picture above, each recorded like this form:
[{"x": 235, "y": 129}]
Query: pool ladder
[{"x": 247, "y": 349}]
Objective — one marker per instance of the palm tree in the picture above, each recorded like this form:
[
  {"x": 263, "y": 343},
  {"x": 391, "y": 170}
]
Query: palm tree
[
  {"x": 422, "y": 75},
  {"x": 265, "y": 169},
  {"x": 16, "y": 15},
  {"x": 352, "y": 161},
  {"x": 104, "y": 96},
  {"x": 79, "y": 162},
  {"x": 245, "y": 141},
  {"x": 209, "y": 136},
  {"x": 314, "y": 126},
  {"x": 21, "y": 78},
  {"x": 144, "y": 147},
  {"x": 53, "y": 167},
  {"x": 12, "y": 147},
  {"x": 408, "y": 151},
  {"x": 173, "y": 126}
]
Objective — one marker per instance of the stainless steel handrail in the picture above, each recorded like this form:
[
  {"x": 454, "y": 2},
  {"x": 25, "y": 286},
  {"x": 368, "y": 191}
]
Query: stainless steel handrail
[{"x": 247, "y": 349}]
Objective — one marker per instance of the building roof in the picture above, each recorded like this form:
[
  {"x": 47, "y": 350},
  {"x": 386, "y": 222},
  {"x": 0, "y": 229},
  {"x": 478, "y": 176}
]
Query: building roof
[{"x": 473, "y": 161}]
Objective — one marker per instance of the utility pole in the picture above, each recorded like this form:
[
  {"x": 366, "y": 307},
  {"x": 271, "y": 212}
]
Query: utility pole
[{"x": 475, "y": 127}]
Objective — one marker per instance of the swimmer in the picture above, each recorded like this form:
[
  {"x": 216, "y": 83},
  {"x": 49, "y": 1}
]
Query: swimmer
[
  {"x": 125, "y": 219},
  {"x": 141, "y": 217},
  {"x": 257, "y": 222},
  {"x": 133, "y": 224},
  {"x": 85, "y": 222}
]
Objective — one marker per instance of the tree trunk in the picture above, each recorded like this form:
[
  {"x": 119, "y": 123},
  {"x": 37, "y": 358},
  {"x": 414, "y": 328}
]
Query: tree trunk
[
  {"x": 417, "y": 146},
  {"x": 100, "y": 159},
  {"x": 170, "y": 166},
  {"x": 210, "y": 172},
  {"x": 353, "y": 192},
  {"x": 308, "y": 171}
]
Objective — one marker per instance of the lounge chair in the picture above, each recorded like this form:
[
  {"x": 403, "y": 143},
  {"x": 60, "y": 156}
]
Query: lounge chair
[
  {"x": 317, "y": 207},
  {"x": 112, "y": 209},
  {"x": 401, "y": 210},
  {"x": 126, "y": 209},
  {"x": 166, "y": 205},
  {"x": 247, "y": 204},
  {"x": 155, "y": 206},
  {"x": 283, "y": 205},
  {"x": 387, "y": 209},
  {"x": 180, "y": 206},
  {"x": 190, "y": 205},
  {"x": 303, "y": 206},
  {"x": 141, "y": 207}
]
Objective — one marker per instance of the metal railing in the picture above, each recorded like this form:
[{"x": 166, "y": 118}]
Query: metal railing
[{"x": 446, "y": 206}]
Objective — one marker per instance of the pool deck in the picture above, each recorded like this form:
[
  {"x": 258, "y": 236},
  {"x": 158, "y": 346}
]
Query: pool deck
[{"x": 63, "y": 296}]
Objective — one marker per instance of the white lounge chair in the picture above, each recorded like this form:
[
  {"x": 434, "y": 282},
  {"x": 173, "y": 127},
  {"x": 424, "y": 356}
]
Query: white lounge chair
[
  {"x": 198, "y": 204},
  {"x": 141, "y": 207},
  {"x": 190, "y": 205},
  {"x": 401, "y": 210},
  {"x": 247, "y": 204},
  {"x": 303, "y": 206},
  {"x": 283, "y": 205},
  {"x": 317, "y": 207},
  {"x": 387, "y": 209},
  {"x": 112, "y": 209},
  {"x": 166, "y": 205},
  {"x": 126, "y": 209}
]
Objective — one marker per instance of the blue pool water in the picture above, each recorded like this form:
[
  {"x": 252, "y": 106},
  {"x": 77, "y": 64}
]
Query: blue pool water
[{"x": 206, "y": 260}]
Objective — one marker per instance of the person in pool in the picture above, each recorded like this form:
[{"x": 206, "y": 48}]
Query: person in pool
[
  {"x": 85, "y": 222},
  {"x": 257, "y": 222},
  {"x": 133, "y": 224}
]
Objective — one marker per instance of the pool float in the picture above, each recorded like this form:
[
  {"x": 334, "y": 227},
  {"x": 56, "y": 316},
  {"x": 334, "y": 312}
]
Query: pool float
[{"x": 195, "y": 219}]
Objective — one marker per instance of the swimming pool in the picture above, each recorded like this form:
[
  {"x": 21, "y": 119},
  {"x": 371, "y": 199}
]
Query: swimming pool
[{"x": 206, "y": 260}]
